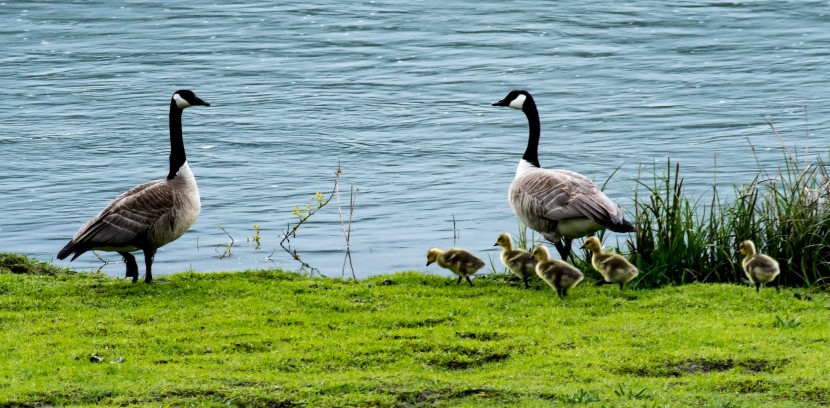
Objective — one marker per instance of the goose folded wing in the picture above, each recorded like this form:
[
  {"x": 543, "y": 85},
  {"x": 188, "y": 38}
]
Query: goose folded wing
[
  {"x": 129, "y": 216},
  {"x": 562, "y": 194}
]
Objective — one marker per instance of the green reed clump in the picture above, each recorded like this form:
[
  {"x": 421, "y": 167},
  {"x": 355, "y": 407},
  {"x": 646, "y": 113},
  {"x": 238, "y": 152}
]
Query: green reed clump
[{"x": 680, "y": 239}]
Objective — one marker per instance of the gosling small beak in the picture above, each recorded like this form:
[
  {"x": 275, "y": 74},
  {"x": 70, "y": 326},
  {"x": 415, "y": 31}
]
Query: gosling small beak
[{"x": 428, "y": 263}]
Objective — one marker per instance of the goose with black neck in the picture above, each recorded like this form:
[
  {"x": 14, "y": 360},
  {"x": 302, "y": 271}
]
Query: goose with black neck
[
  {"x": 562, "y": 205},
  {"x": 150, "y": 215}
]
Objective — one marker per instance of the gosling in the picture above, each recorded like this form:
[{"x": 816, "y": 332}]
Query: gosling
[
  {"x": 519, "y": 261},
  {"x": 759, "y": 268},
  {"x": 560, "y": 275},
  {"x": 460, "y": 261},
  {"x": 615, "y": 269}
]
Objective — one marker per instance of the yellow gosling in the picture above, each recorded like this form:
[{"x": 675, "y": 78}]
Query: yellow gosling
[
  {"x": 518, "y": 261},
  {"x": 560, "y": 275},
  {"x": 759, "y": 268},
  {"x": 460, "y": 261},
  {"x": 615, "y": 269}
]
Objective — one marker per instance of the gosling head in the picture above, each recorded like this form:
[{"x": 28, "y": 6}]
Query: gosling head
[
  {"x": 504, "y": 241},
  {"x": 593, "y": 244},
  {"x": 515, "y": 99},
  {"x": 747, "y": 247},
  {"x": 433, "y": 254},
  {"x": 541, "y": 253},
  {"x": 184, "y": 98}
]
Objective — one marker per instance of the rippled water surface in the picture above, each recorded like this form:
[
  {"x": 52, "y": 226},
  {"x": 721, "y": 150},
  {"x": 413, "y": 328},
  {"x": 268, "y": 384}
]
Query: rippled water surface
[{"x": 398, "y": 95}]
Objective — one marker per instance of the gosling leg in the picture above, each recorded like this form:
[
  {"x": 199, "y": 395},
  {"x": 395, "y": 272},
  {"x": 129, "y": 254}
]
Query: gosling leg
[{"x": 468, "y": 280}]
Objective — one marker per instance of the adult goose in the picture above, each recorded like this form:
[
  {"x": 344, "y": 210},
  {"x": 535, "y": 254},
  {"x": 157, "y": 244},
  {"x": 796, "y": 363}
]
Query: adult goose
[
  {"x": 150, "y": 215},
  {"x": 559, "y": 204}
]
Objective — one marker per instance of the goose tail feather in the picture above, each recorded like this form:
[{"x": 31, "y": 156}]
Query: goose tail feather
[
  {"x": 69, "y": 249},
  {"x": 624, "y": 226}
]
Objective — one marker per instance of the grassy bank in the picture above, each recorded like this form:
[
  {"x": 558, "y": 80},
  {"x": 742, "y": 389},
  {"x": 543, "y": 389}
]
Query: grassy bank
[{"x": 279, "y": 339}]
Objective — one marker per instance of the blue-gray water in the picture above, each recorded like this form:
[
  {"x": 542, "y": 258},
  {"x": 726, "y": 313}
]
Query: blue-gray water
[{"x": 398, "y": 93}]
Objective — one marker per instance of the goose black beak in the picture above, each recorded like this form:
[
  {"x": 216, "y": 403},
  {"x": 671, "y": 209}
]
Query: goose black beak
[
  {"x": 502, "y": 102},
  {"x": 203, "y": 103}
]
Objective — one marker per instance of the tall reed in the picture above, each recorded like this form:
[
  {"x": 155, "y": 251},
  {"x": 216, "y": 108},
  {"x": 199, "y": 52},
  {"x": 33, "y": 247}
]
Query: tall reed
[{"x": 681, "y": 239}]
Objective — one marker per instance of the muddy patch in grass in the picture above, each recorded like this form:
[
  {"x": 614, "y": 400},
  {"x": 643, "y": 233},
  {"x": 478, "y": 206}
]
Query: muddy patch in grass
[
  {"x": 462, "y": 358},
  {"x": 428, "y": 398},
  {"x": 481, "y": 336},
  {"x": 702, "y": 366}
]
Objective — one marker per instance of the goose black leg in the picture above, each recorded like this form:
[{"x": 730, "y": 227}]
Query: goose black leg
[
  {"x": 564, "y": 249},
  {"x": 149, "y": 254},
  {"x": 132, "y": 267}
]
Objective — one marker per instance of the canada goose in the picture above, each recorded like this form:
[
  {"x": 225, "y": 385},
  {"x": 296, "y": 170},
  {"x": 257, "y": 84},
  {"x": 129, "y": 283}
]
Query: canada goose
[
  {"x": 150, "y": 215},
  {"x": 556, "y": 203},
  {"x": 519, "y": 261},
  {"x": 460, "y": 261},
  {"x": 613, "y": 267},
  {"x": 560, "y": 275},
  {"x": 759, "y": 268}
]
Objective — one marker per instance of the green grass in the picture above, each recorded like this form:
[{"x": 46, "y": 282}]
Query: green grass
[{"x": 277, "y": 339}]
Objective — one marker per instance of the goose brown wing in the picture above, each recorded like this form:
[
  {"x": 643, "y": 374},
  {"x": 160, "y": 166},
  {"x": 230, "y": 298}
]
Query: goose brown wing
[
  {"x": 563, "y": 194},
  {"x": 128, "y": 218}
]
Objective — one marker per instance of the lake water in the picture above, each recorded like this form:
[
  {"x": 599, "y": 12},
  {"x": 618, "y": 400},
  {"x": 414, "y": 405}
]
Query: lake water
[{"x": 398, "y": 94}]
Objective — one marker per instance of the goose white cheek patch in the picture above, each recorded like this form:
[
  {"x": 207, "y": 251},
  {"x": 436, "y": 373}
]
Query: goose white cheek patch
[
  {"x": 518, "y": 102},
  {"x": 180, "y": 102}
]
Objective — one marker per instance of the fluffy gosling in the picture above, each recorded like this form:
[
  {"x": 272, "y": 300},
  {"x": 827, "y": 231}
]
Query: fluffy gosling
[
  {"x": 460, "y": 261},
  {"x": 759, "y": 268},
  {"x": 519, "y": 261},
  {"x": 560, "y": 275},
  {"x": 615, "y": 269}
]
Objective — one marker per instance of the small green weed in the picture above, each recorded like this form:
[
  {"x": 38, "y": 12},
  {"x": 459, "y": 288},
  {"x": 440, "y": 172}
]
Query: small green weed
[
  {"x": 787, "y": 322},
  {"x": 580, "y": 397}
]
